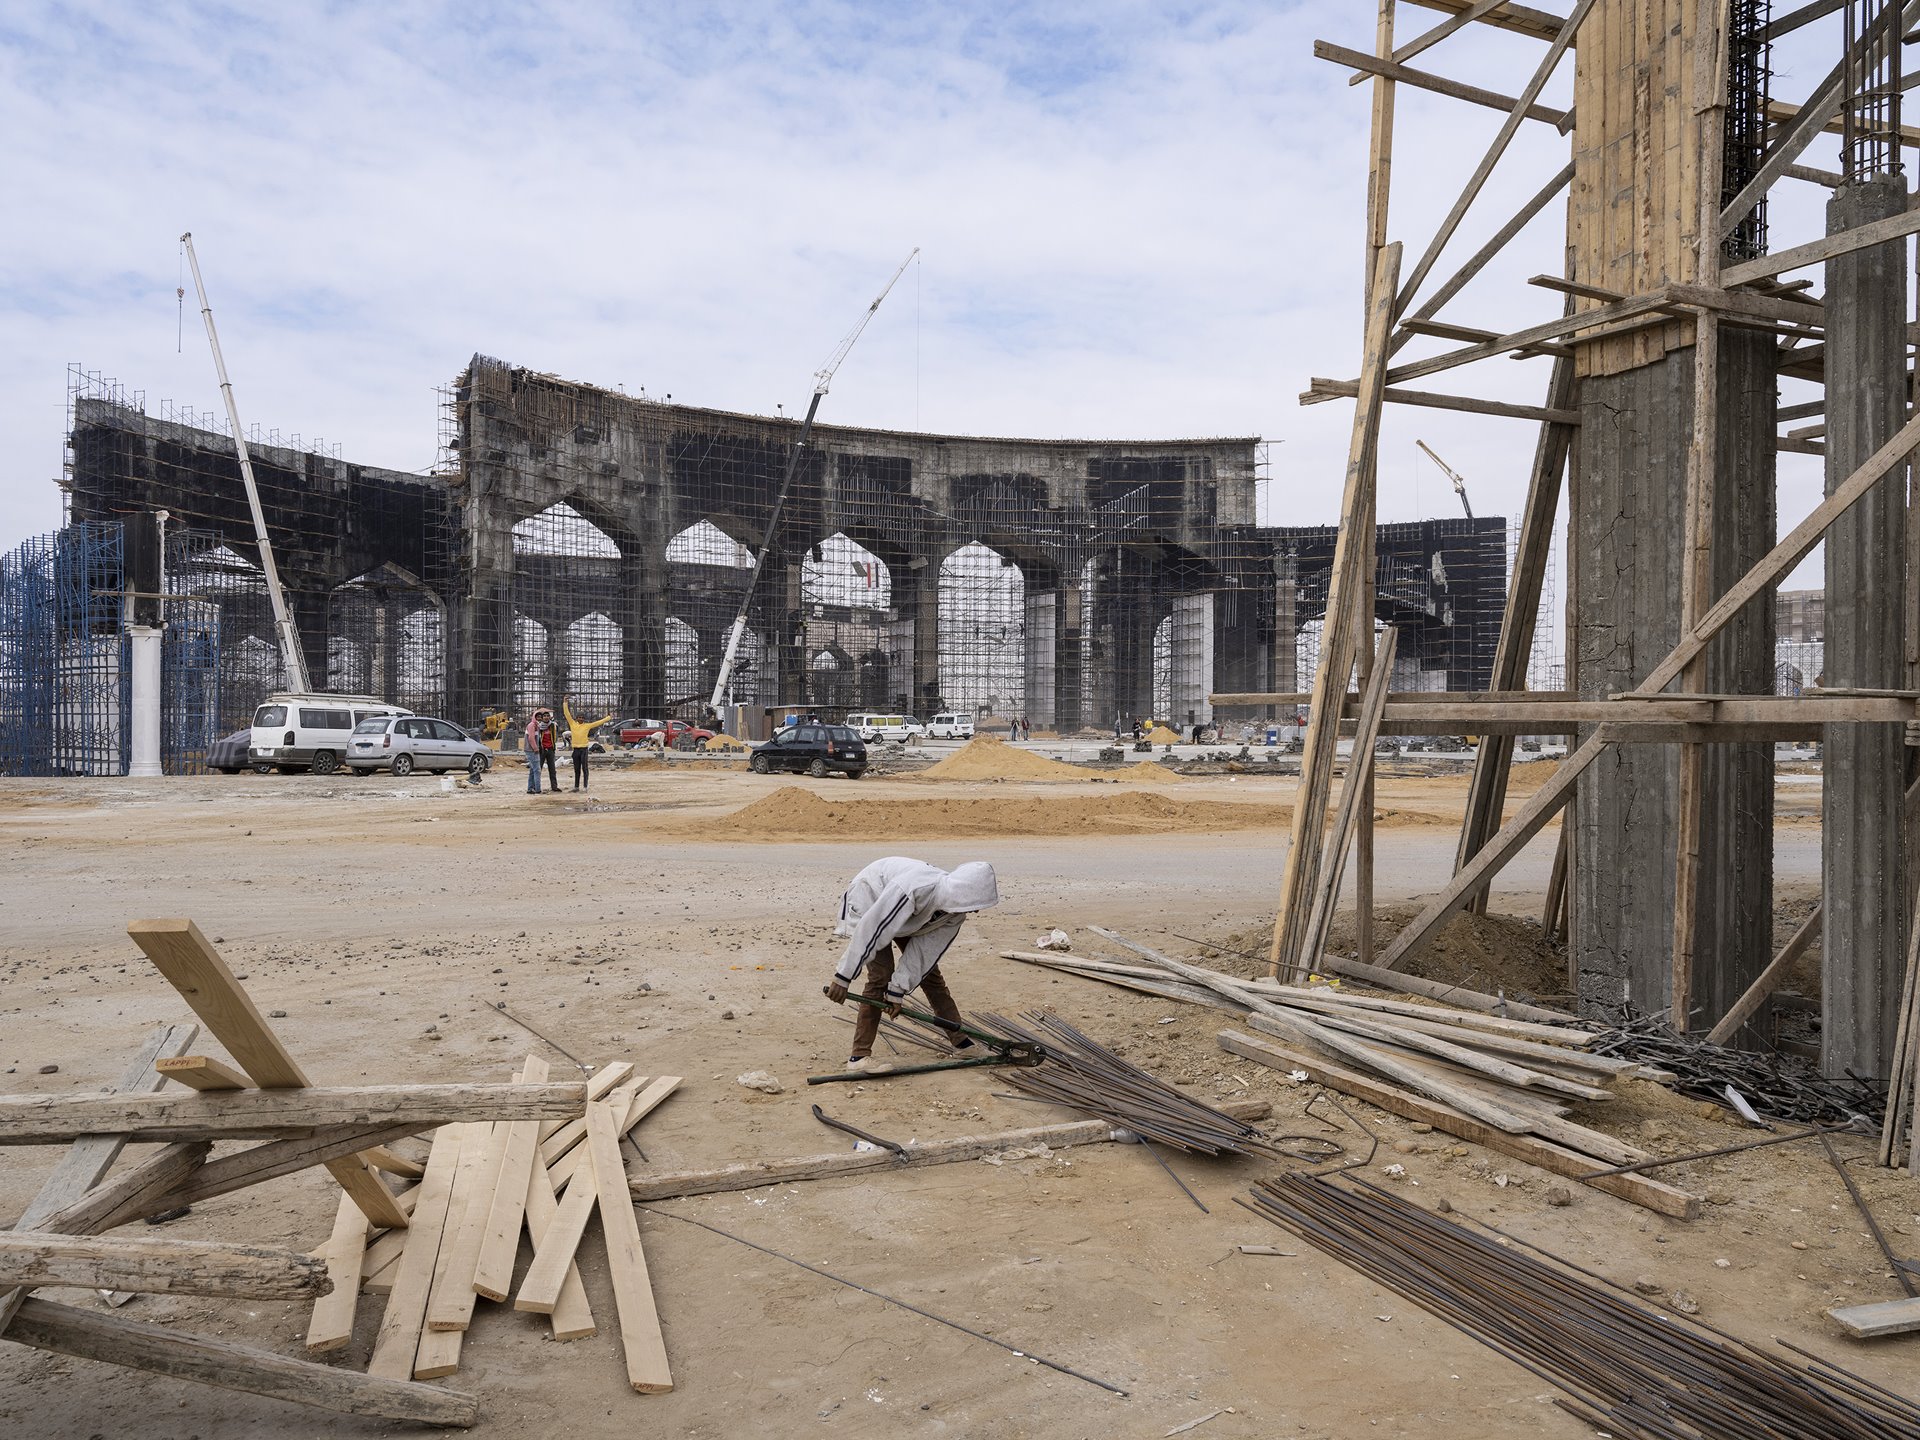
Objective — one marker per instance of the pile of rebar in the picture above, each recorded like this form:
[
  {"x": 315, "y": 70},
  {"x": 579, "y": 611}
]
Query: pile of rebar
[
  {"x": 1081, "y": 1074},
  {"x": 1781, "y": 1087},
  {"x": 1629, "y": 1370}
]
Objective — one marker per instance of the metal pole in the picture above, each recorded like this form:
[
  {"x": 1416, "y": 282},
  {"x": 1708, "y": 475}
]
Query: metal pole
[{"x": 290, "y": 652}]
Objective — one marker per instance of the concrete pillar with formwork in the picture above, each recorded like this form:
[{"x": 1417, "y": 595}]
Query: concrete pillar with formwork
[
  {"x": 1633, "y": 214},
  {"x": 1862, "y": 824}
]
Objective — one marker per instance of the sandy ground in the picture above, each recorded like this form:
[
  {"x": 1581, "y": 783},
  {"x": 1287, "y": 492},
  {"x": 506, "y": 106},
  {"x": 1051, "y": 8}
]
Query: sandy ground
[{"x": 384, "y": 916}]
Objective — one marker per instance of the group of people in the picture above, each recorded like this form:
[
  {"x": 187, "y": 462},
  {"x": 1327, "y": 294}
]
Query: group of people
[
  {"x": 543, "y": 741},
  {"x": 1018, "y": 728}
]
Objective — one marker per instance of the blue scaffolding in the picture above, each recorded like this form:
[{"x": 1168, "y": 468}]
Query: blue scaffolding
[{"x": 62, "y": 598}]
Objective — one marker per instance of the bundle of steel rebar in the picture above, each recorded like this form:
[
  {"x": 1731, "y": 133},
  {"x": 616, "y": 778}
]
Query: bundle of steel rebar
[
  {"x": 1782, "y": 1087},
  {"x": 1627, "y": 1369},
  {"x": 1084, "y": 1075}
]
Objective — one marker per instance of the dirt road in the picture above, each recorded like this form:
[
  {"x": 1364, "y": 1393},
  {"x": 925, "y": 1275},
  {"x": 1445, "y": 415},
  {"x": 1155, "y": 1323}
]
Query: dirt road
[{"x": 386, "y": 917}]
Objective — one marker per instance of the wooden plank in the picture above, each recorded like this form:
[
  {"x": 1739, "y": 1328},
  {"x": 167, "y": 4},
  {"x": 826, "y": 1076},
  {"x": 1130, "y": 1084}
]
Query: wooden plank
[
  {"x": 406, "y": 1313},
  {"x": 1520, "y": 19},
  {"x": 638, "y": 1104},
  {"x": 493, "y": 1267},
  {"x": 553, "y": 1252},
  {"x": 1845, "y": 242},
  {"x": 264, "y": 1114},
  {"x": 836, "y": 1164},
  {"x": 1338, "y": 638},
  {"x": 572, "y": 1317},
  {"x": 382, "y": 1158},
  {"x": 1365, "y": 64},
  {"x": 640, "y": 1339},
  {"x": 1355, "y": 790},
  {"x": 194, "y": 968},
  {"x": 159, "y": 1265},
  {"x": 1477, "y": 11},
  {"x": 99, "y": 1335},
  {"x": 1651, "y": 1194},
  {"x": 260, "y": 1163},
  {"x": 331, "y": 1325},
  {"x": 1870, "y": 1322},
  {"x": 1768, "y": 980},
  {"x": 1459, "y": 995},
  {"x": 201, "y": 1072},
  {"x": 1319, "y": 389},
  {"x": 450, "y": 1306}
]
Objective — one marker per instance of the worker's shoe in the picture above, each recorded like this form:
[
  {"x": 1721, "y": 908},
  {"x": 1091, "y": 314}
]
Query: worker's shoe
[
  {"x": 868, "y": 1065},
  {"x": 962, "y": 1042}
]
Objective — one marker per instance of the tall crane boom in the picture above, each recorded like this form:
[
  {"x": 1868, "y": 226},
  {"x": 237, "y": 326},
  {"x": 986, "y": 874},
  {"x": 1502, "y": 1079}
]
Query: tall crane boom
[
  {"x": 822, "y": 378},
  {"x": 1459, "y": 485},
  {"x": 291, "y": 655}
]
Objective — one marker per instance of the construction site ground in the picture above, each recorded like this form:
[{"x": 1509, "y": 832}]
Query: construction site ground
[{"x": 655, "y": 923}]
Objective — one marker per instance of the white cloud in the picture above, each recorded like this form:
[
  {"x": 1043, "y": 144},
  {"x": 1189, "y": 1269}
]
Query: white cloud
[{"x": 1136, "y": 219}]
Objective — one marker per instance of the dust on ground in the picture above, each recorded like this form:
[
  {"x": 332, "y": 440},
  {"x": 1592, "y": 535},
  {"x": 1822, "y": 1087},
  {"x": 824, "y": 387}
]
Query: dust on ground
[
  {"x": 387, "y": 917},
  {"x": 797, "y": 813}
]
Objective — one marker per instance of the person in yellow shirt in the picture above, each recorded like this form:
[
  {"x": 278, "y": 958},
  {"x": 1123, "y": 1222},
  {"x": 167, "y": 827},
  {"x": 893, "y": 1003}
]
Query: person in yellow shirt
[{"x": 580, "y": 732}]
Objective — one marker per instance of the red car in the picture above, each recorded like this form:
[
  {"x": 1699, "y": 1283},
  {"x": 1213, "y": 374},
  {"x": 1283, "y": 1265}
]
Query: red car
[{"x": 678, "y": 734}]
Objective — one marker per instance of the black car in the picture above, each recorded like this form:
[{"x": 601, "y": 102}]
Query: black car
[
  {"x": 228, "y": 754},
  {"x": 817, "y": 748}
]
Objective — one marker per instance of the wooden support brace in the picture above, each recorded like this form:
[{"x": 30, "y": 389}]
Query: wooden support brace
[
  {"x": 159, "y": 1265},
  {"x": 201, "y": 1072},
  {"x": 331, "y": 1325}
]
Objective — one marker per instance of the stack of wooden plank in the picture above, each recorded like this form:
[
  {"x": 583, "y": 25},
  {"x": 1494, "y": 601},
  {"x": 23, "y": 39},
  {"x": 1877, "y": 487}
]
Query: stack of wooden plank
[
  {"x": 481, "y": 1186},
  {"x": 1511, "y": 1085},
  {"x": 183, "y": 1104}
]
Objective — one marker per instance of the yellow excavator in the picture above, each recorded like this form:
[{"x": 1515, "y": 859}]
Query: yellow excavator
[{"x": 492, "y": 726}]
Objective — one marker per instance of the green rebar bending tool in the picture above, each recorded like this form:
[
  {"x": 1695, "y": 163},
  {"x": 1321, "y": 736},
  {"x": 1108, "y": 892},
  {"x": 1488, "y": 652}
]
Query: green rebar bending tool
[{"x": 1005, "y": 1051}]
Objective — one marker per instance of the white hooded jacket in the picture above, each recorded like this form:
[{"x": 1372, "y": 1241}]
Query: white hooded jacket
[{"x": 914, "y": 905}]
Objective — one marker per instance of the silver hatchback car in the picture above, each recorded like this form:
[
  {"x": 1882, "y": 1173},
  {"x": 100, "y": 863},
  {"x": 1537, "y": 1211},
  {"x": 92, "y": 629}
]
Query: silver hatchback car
[{"x": 406, "y": 743}]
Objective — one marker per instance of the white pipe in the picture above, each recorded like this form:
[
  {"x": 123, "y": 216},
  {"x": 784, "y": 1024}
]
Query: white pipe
[
  {"x": 144, "y": 757},
  {"x": 291, "y": 654}
]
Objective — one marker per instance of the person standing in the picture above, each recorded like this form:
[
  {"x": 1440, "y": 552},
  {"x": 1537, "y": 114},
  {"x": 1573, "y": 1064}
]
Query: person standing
[
  {"x": 547, "y": 738},
  {"x": 532, "y": 744},
  {"x": 901, "y": 915},
  {"x": 580, "y": 735}
]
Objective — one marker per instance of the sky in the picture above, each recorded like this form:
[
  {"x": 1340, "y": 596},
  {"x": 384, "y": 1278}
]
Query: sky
[{"x": 1135, "y": 220}]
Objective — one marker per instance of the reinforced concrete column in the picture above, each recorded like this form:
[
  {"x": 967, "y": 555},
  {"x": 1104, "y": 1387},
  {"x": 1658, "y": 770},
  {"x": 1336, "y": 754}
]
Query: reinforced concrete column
[
  {"x": 1863, "y": 847},
  {"x": 1069, "y": 698},
  {"x": 1042, "y": 639},
  {"x": 643, "y": 631},
  {"x": 1630, "y": 522},
  {"x": 144, "y": 729},
  {"x": 922, "y": 583}
]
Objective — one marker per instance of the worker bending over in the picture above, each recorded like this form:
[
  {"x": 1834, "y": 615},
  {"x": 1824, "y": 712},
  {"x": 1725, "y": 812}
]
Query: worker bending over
[{"x": 901, "y": 915}]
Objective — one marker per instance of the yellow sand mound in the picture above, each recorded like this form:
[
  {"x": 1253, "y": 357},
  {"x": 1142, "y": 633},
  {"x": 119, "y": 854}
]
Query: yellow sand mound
[
  {"x": 792, "y": 813},
  {"x": 1148, "y": 772},
  {"x": 724, "y": 742},
  {"x": 987, "y": 757},
  {"x": 1161, "y": 735}
]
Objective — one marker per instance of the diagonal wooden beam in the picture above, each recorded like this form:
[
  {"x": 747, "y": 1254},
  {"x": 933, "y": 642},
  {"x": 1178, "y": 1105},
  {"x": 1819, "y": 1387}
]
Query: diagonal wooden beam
[
  {"x": 1549, "y": 799},
  {"x": 1365, "y": 66},
  {"x": 1844, "y": 242},
  {"x": 1520, "y": 19},
  {"x": 1508, "y": 129},
  {"x": 1355, "y": 792},
  {"x": 1337, "y": 639},
  {"x": 1479, "y": 9}
]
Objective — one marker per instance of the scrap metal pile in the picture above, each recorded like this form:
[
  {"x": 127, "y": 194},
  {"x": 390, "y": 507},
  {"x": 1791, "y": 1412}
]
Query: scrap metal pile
[
  {"x": 1779, "y": 1086},
  {"x": 1626, "y": 1369},
  {"x": 1510, "y": 1084}
]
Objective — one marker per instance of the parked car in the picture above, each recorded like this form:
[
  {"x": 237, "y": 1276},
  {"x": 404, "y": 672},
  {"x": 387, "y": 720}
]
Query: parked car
[
  {"x": 310, "y": 731},
  {"x": 406, "y": 743},
  {"x": 228, "y": 754},
  {"x": 816, "y": 748},
  {"x": 951, "y": 726},
  {"x": 677, "y": 734},
  {"x": 876, "y": 726}
]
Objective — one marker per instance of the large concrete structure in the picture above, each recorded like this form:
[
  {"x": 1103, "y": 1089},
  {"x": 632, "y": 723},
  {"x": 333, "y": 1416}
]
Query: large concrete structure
[{"x": 589, "y": 543}]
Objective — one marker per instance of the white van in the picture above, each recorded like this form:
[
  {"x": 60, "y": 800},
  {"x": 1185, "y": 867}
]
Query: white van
[
  {"x": 884, "y": 727},
  {"x": 951, "y": 727},
  {"x": 294, "y": 732}
]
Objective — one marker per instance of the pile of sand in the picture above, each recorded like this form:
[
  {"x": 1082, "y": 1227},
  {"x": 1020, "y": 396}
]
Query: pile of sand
[
  {"x": 724, "y": 742},
  {"x": 987, "y": 757},
  {"x": 1151, "y": 772},
  {"x": 792, "y": 813},
  {"x": 1161, "y": 735}
]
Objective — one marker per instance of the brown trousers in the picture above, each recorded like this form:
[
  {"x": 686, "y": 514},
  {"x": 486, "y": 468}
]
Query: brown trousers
[{"x": 866, "y": 1025}]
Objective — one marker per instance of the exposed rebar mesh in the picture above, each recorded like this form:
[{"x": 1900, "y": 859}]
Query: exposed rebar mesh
[
  {"x": 1870, "y": 107},
  {"x": 1749, "y": 72}
]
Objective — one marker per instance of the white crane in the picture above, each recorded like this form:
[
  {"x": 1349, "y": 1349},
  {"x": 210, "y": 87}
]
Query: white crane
[
  {"x": 1459, "y": 485},
  {"x": 291, "y": 654},
  {"x": 822, "y": 378}
]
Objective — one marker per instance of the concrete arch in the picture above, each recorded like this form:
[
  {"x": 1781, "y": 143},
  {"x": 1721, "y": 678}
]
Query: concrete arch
[{"x": 983, "y": 631}]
